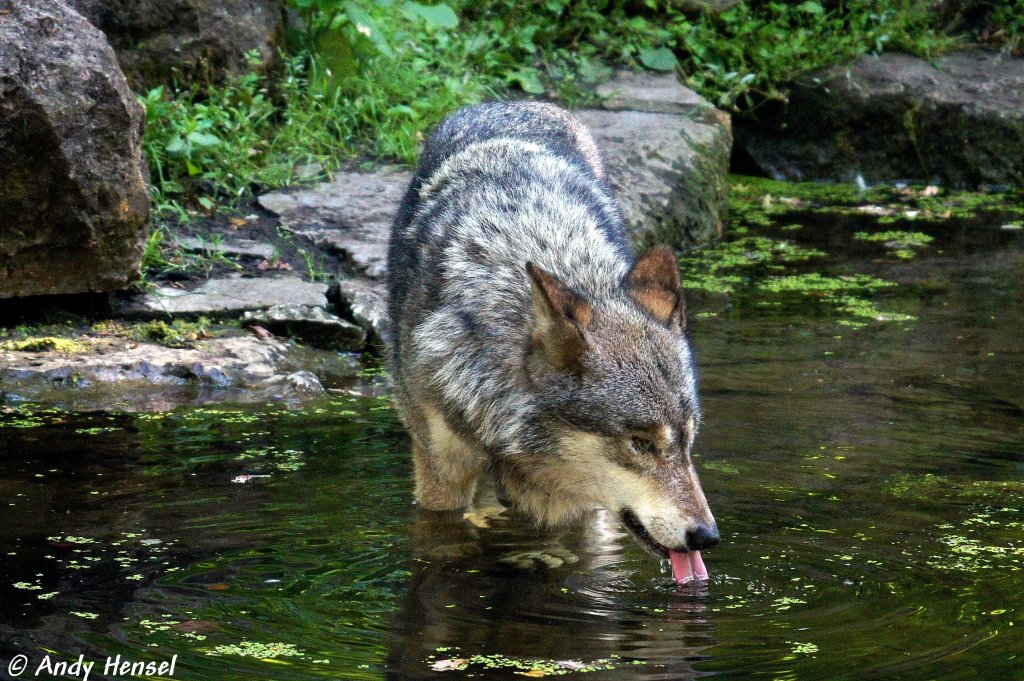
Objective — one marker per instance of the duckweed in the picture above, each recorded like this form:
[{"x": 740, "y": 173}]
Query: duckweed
[
  {"x": 526, "y": 667},
  {"x": 257, "y": 650}
]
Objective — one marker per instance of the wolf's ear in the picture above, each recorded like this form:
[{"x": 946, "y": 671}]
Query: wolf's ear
[
  {"x": 559, "y": 318},
  {"x": 653, "y": 284}
]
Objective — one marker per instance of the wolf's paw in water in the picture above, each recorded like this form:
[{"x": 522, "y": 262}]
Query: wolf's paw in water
[
  {"x": 482, "y": 517},
  {"x": 550, "y": 557}
]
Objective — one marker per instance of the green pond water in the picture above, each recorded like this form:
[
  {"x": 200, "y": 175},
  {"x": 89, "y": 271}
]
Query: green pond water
[{"x": 863, "y": 451}]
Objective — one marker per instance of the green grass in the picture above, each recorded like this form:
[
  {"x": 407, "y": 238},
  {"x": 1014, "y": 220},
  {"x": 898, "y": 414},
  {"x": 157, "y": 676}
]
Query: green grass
[{"x": 366, "y": 79}]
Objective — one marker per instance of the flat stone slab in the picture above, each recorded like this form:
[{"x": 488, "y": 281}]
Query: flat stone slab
[
  {"x": 957, "y": 121},
  {"x": 227, "y": 297},
  {"x": 238, "y": 248},
  {"x": 350, "y": 216},
  {"x": 313, "y": 325}
]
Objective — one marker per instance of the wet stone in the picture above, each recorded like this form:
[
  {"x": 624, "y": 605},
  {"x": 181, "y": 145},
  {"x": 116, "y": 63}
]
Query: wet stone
[
  {"x": 237, "y": 248},
  {"x": 956, "y": 120},
  {"x": 362, "y": 301},
  {"x": 309, "y": 324},
  {"x": 226, "y": 297},
  {"x": 146, "y": 375}
]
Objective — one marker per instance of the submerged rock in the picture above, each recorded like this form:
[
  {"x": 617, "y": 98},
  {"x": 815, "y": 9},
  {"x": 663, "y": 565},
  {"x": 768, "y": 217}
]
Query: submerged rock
[
  {"x": 313, "y": 325},
  {"x": 119, "y": 374},
  {"x": 959, "y": 121},
  {"x": 74, "y": 202},
  {"x": 188, "y": 41}
]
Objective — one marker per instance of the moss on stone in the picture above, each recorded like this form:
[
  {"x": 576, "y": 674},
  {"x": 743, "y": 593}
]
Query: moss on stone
[{"x": 45, "y": 344}]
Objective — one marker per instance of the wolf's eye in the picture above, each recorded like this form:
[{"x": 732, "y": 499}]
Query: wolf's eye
[{"x": 642, "y": 445}]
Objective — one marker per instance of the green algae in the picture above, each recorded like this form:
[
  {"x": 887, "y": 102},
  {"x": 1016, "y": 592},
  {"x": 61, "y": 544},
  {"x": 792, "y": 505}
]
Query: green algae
[
  {"x": 762, "y": 260},
  {"x": 525, "y": 666},
  {"x": 45, "y": 344},
  {"x": 277, "y": 459},
  {"x": 903, "y": 239},
  {"x": 890, "y": 202},
  {"x": 732, "y": 264},
  {"x": 930, "y": 487},
  {"x": 901, "y": 244},
  {"x": 721, "y": 467},
  {"x": 986, "y": 538},
  {"x": 257, "y": 650}
]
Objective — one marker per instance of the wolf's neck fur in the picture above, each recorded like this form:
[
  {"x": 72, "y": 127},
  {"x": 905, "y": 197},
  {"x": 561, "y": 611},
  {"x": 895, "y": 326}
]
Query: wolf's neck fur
[{"x": 483, "y": 214}]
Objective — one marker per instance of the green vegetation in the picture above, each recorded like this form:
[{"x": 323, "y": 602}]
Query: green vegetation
[
  {"x": 902, "y": 244},
  {"x": 162, "y": 256},
  {"x": 366, "y": 79},
  {"x": 260, "y": 651},
  {"x": 934, "y": 488}
]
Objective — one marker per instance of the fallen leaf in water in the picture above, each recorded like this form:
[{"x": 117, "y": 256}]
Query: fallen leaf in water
[
  {"x": 197, "y": 626},
  {"x": 242, "y": 479},
  {"x": 218, "y": 586},
  {"x": 238, "y": 223},
  {"x": 534, "y": 673},
  {"x": 455, "y": 664}
]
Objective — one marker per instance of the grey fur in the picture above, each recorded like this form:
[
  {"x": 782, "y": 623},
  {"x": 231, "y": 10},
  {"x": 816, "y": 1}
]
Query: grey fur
[{"x": 476, "y": 350}]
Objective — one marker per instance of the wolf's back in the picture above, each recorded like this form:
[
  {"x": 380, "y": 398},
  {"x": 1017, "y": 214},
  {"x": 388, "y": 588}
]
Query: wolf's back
[{"x": 498, "y": 185}]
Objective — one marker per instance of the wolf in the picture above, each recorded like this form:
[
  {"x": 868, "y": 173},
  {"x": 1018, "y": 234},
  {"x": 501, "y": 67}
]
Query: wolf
[{"x": 526, "y": 341}]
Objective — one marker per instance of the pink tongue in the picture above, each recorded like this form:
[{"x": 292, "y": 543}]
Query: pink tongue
[{"x": 688, "y": 566}]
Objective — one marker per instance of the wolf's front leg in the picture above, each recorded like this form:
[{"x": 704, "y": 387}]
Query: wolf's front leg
[{"x": 447, "y": 467}]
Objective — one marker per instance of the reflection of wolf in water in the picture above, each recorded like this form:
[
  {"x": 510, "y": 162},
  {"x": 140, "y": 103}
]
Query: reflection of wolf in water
[
  {"x": 526, "y": 341},
  {"x": 470, "y": 593}
]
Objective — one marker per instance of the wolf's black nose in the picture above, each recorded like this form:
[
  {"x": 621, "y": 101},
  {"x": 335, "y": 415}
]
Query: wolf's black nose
[{"x": 702, "y": 537}]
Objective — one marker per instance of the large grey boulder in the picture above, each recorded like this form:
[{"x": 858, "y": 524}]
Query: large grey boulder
[
  {"x": 73, "y": 194},
  {"x": 188, "y": 41},
  {"x": 959, "y": 121},
  {"x": 667, "y": 152}
]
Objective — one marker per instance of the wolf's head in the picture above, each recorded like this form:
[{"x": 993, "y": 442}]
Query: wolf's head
[{"x": 617, "y": 401}]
